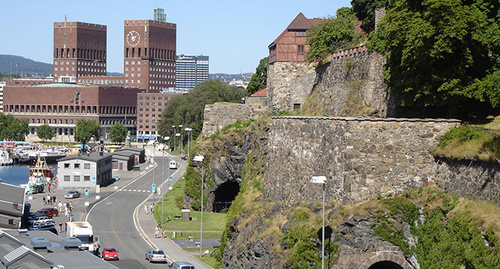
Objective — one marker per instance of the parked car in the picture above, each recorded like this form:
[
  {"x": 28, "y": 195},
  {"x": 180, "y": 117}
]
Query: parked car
[
  {"x": 43, "y": 221},
  {"x": 72, "y": 194},
  {"x": 36, "y": 217},
  {"x": 49, "y": 211},
  {"x": 156, "y": 255},
  {"x": 44, "y": 227},
  {"x": 109, "y": 253},
  {"x": 181, "y": 265}
]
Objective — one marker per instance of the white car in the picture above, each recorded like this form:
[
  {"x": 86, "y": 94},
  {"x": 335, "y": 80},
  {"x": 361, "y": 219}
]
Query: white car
[
  {"x": 172, "y": 165},
  {"x": 156, "y": 255}
]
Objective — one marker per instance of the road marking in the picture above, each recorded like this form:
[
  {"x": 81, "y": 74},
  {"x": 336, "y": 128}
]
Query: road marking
[{"x": 116, "y": 235}]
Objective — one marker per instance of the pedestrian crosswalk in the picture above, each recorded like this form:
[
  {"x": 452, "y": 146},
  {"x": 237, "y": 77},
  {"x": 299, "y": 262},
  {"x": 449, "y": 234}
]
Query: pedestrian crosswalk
[{"x": 134, "y": 190}]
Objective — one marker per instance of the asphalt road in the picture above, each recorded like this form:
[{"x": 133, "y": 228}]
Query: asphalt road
[{"x": 113, "y": 217}]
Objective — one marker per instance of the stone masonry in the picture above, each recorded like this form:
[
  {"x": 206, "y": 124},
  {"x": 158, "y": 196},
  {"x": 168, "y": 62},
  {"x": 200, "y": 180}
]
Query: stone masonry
[
  {"x": 352, "y": 79},
  {"x": 288, "y": 84},
  {"x": 361, "y": 157},
  {"x": 219, "y": 115}
]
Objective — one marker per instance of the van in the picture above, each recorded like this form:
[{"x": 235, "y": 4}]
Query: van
[
  {"x": 173, "y": 165},
  {"x": 181, "y": 265}
]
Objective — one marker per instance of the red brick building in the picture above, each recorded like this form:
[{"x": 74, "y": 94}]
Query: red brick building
[
  {"x": 150, "y": 54},
  {"x": 150, "y": 106},
  {"x": 290, "y": 45},
  {"x": 61, "y": 105},
  {"x": 79, "y": 50}
]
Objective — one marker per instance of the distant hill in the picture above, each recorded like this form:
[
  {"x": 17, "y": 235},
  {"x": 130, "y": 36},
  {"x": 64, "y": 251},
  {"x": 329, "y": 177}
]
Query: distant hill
[{"x": 8, "y": 66}]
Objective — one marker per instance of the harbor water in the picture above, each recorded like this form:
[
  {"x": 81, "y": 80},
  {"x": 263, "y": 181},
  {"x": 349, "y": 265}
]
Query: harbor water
[{"x": 16, "y": 174}]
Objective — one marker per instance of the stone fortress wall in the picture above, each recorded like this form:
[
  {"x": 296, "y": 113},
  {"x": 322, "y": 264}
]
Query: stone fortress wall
[{"x": 360, "y": 157}]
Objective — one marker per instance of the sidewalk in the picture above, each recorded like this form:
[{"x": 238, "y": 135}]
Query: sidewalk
[{"x": 145, "y": 222}]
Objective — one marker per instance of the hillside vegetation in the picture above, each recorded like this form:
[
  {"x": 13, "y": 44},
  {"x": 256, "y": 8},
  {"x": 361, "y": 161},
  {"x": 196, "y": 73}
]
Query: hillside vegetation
[{"x": 448, "y": 231}]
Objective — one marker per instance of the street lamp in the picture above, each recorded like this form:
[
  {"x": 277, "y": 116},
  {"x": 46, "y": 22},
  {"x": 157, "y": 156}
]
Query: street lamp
[
  {"x": 173, "y": 126},
  {"x": 321, "y": 180},
  {"x": 180, "y": 139},
  {"x": 189, "y": 137},
  {"x": 179, "y": 136},
  {"x": 166, "y": 138},
  {"x": 199, "y": 158}
]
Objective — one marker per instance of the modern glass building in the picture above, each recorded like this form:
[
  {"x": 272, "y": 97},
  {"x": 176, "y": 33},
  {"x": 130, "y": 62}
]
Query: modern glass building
[{"x": 190, "y": 71}]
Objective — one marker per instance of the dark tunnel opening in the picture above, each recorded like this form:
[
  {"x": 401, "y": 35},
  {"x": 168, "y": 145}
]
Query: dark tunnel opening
[
  {"x": 225, "y": 194},
  {"x": 385, "y": 265}
]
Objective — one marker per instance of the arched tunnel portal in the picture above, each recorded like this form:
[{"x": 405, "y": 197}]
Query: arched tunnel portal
[
  {"x": 224, "y": 195},
  {"x": 385, "y": 265}
]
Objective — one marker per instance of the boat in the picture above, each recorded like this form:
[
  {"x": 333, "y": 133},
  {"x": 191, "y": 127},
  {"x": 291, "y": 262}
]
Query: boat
[
  {"x": 40, "y": 175},
  {"x": 5, "y": 158}
]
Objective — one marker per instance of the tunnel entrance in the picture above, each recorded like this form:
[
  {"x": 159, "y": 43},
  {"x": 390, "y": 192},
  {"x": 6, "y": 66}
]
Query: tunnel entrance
[
  {"x": 225, "y": 194},
  {"x": 385, "y": 265}
]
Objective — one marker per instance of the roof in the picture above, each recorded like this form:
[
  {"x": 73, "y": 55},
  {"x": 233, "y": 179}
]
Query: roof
[
  {"x": 260, "y": 93},
  {"x": 57, "y": 254},
  {"x": 139, "y": 150},
  {"x": 300, "y": 23},
  {"x": 20, "y": 253},
  {"x": 93, "y": 157}
]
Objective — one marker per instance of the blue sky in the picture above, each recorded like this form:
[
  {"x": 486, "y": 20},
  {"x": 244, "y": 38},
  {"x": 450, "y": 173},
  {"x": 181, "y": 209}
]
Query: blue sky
[{"x": 234, "y": 34}]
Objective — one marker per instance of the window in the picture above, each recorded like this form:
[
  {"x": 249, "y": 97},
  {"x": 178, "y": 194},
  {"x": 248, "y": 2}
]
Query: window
[
  {"x": 77, "y": 166},
  {"x": 66, "y": 165},
  {"x": 86, "y": 178},
  {"x": 66, "y": 177},
  {"x": 300, "y": 49},
  {"x": 86, "y": 166},
  {"x": 76, "y": 178}
]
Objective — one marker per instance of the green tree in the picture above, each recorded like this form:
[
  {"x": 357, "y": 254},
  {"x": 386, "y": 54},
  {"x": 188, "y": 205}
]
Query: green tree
[
  {"x": 86, "y": 129},
  {"x": 118, "y": 132},
  {"x": 259, "y": 79},
  {"x": 12, "y": 128},
  {"x": 45, "y": 132},
  {"x": 329, "y": 35},
  {"x": 188, "y": 109},
  {"x": 440, "y": 52},
  {"x": 365, "y": 12}
]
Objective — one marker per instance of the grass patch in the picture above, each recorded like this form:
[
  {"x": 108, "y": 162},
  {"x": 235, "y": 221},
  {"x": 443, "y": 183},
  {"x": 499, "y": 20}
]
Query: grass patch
[
  {"x": 469, "y": 142},
  {"x": 207, "y": 259},
  {"x": 213, "y": 222}
]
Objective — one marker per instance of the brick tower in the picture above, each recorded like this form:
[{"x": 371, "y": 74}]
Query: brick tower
[
  {"x": 79, "y": 50},
  {"x": 150, "y": 54}
]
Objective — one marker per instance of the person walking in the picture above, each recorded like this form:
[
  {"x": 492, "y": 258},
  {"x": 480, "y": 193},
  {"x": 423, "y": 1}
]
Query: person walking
[
  {"x": 157, "y": 232},
  {"x": 146, "y": 209},
  {"x": 60, "y": 226}
]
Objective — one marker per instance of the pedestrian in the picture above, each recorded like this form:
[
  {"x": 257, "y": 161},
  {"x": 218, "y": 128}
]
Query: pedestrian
[
  {"x": 48, "y": 187},
  {"x": 44, "y": 201},
  {"x": 59, "y": 205},
  {"x": 157, "y": 232},
  {"x": 60, "y": 226},
  {"x": 146, "y": 209},
  {"x": 151, "y": 208},
  {"x": 65, "y": 225},
  {"x": 54, "y": 199}
]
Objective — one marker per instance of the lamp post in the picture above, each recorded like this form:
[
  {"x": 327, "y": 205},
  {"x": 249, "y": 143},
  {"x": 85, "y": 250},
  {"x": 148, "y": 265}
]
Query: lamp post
[
  {"x": 321, "y": 180},
  {"x": 180, "y": 140},
  {"x": 163, "y": 175},
  {"x": 200, "y": 158},
  {"x": 173, "y": 126},
  {"x": 189, "y": 137},
  {"x": 179, "y": 136}
]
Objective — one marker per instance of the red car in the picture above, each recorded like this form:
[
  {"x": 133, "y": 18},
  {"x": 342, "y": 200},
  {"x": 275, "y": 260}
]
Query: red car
[
  {"x": 53, "y": 212},
  {"x": 109, "y": 253}
]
